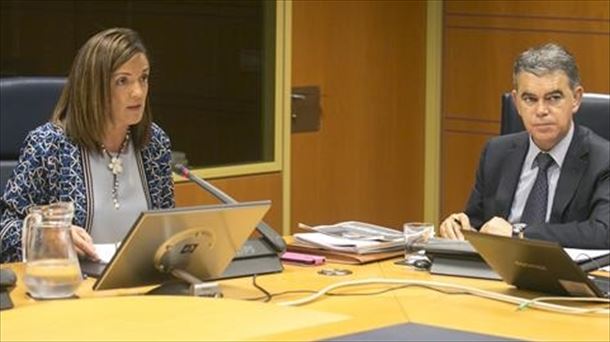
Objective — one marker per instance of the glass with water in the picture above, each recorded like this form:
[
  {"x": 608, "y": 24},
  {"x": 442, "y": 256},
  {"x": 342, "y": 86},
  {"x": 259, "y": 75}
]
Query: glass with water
[
  {"x": 416, "y": 235},
  {"x": 51, "y": 264}
]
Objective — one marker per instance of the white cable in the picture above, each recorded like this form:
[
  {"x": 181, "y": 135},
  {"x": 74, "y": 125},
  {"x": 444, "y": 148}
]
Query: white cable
[
  {"x": 538, "y": 303},
  {"x": 528, "y": 303}
]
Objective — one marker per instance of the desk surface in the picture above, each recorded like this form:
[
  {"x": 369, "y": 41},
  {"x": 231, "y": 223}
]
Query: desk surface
[{"x": 124, "y": 315}]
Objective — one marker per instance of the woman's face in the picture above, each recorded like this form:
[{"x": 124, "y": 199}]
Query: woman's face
[{"x": 129, "y": 88}]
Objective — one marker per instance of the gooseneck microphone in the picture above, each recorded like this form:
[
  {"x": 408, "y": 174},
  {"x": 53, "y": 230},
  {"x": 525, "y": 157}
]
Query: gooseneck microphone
[{"x": 271, "y": 236}]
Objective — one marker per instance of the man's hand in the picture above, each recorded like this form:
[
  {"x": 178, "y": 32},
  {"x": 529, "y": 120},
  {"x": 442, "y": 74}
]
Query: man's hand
[
  {"x": 83, "y": 243},
  {"x": 497, "y": 226},
  {"x": 453, "y": 225}
]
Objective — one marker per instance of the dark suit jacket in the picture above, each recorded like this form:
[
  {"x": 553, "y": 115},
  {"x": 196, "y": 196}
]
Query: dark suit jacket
[{"x": 581, "y": 209}]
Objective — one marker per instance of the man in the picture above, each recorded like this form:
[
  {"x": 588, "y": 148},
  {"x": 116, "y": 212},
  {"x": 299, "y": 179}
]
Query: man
[{"x": 554, "y": 179}]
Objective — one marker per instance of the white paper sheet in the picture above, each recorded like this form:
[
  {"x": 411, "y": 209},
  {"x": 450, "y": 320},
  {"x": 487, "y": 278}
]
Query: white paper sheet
[
  {"x": 347, "y": 245},
  {"x": 106, "y": 251},
  {"x": 580, "y": 255}
]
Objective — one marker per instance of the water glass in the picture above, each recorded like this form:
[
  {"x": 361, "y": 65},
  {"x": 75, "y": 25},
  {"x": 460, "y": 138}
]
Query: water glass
[{"x": 416, "y": 234}]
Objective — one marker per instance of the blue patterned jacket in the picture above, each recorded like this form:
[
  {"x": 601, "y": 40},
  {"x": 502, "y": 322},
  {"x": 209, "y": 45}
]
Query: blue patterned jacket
[{"x": 52, "y": 168}]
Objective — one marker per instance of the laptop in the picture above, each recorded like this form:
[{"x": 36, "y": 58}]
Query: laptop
[
  {"x": 200, "y": 240},
  {"x": 457, "y": 258},
  {"x": 537, "y": 265}
]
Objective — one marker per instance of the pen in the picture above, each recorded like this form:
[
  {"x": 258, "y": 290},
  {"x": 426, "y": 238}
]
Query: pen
[{"x": 457, "y": 221}]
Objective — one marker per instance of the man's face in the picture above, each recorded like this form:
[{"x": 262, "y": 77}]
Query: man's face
[{"x": 546, "y": 105}]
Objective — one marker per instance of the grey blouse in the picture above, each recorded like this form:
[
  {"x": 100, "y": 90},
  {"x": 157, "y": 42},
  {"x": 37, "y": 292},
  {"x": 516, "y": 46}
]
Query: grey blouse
[{"x": 110, "y": 225}]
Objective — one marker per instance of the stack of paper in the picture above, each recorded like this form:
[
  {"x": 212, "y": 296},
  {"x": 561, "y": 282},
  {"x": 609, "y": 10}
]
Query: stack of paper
[
  {"x": 347, "y": 245},
  {"x": 343, "y": 257},
  {"x": 350, "y": 242},
  {"x": 356, "y": 230}
]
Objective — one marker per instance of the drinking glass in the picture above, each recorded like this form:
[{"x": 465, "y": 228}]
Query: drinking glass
[{"x": 416, "y": 235}]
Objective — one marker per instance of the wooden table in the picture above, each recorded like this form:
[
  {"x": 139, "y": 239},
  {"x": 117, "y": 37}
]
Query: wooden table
[{"x": 126, "y": 315}]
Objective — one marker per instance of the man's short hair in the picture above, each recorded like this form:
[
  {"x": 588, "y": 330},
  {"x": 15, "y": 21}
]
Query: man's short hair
[{"x": 545, "y": 59}]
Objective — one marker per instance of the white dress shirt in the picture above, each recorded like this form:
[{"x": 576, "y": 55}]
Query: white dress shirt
[{"x": 529, "y": 171}]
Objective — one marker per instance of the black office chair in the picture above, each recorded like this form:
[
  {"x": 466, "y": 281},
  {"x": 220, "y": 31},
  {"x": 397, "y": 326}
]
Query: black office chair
[
  {"x": 25, "y": 103},
  {"x": 594, "y": 113}
]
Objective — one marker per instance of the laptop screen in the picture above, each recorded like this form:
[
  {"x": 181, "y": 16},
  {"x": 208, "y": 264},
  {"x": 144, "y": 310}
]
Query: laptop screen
[
  {"x": 199, "y": 240},
  {"x": 534, "y": 265}
]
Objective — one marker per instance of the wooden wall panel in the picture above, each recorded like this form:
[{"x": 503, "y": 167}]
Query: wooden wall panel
[
  {"x": 541, "y": 9},
  {"x": 247, "y": 188},
  {"x": 479, "y": 61},
  {"x": 366, "y": 161},
  {"x": 481, "y": 40}
]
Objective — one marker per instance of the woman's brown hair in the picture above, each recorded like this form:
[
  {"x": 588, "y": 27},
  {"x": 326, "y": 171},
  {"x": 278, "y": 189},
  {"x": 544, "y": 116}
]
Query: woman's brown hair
[{"x": 83, "y": 109}]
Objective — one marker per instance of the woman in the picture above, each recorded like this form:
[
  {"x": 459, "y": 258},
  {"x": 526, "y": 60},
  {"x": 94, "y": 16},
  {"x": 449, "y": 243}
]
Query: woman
[{"x": 100, "y": 149}]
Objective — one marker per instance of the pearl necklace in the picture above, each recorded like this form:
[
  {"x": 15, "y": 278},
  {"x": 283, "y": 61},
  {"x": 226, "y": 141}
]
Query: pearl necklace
[{"x": 116, "y": 167}]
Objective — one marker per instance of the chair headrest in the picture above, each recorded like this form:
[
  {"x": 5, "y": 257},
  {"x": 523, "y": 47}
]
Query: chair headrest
[{"x": 25, "y": 103}]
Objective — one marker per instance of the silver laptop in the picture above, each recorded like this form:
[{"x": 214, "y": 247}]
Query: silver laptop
[
  {"x": 537, "y": 265},
  {"x": 200, "y": 240}
]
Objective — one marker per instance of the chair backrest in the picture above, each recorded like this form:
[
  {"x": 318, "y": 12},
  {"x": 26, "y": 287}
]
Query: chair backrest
[
  {"x": 594, "y": 113},
  {"x": 25, "y": 103}
]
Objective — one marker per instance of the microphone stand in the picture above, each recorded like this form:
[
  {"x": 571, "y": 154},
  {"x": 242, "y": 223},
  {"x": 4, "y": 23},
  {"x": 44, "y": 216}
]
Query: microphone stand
[{"x": 273, "y": 239}]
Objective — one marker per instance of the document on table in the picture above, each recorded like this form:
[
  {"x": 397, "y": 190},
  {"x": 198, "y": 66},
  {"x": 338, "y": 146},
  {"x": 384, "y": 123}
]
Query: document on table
[
  {"x": 582, "y": 255},
  {"x": 106, "y": 251},
  {"x": 334, "y": 243},
  {"x": 356, "y": 230}
]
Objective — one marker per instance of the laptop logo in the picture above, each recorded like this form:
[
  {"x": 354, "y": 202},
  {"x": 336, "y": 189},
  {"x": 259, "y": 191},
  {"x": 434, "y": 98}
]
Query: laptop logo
[{"x": 528, "y": 265}]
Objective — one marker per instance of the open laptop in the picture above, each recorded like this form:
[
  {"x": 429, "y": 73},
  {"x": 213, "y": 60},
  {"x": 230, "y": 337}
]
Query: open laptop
[
  {"x": 537, "y": 265},
  {"x": 200, "y": 240}
]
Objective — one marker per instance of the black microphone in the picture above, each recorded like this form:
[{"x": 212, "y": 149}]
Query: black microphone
[{"x": 271, "y": 236}]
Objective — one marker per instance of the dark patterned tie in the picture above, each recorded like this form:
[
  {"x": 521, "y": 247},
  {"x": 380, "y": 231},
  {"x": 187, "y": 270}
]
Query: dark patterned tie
[{"x": 535, "y": 207}]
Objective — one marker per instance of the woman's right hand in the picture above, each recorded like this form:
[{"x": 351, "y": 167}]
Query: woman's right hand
[
  {"x": 453, "y": 225},
  {"x": 83, "y": 243}
]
